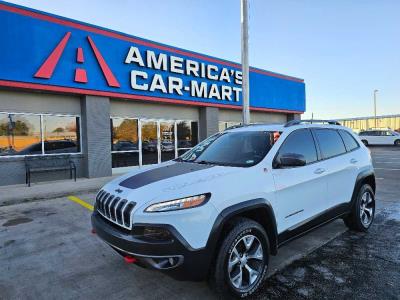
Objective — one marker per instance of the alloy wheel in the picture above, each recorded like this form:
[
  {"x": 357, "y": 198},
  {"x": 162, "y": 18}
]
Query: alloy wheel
[
  {"x": 367, "y": 208},
  {"x": 246, "y": 262}
]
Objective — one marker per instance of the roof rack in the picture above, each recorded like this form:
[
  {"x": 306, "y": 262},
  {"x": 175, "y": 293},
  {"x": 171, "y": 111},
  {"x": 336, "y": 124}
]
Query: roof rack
[
  {"x": 298, "y": 122},
  {"x": 251, "y": 124}
]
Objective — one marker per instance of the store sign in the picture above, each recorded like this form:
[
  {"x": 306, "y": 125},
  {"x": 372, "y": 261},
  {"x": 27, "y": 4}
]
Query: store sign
[
  {"x": 224, "y": 89},
  {"x": 46, "y": 52}
]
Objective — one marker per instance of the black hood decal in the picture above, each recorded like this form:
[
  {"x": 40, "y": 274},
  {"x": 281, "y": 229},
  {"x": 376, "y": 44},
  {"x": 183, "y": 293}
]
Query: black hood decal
[{"x": 161, "y": 173}]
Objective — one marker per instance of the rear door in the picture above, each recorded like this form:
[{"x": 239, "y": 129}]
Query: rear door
[
  {"x": 339, "y": 165},
  {"x": 374, "y": 137},
  {"x": 299, "y": 191}
]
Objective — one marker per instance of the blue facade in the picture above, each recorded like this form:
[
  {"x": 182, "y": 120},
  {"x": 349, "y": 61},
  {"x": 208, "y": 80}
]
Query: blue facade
[{"x": 28, "y": 38}]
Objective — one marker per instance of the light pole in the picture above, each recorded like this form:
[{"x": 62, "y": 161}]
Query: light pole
[
  {"x": 245, "y": 60},
  {"x": 375, "y": 91}
]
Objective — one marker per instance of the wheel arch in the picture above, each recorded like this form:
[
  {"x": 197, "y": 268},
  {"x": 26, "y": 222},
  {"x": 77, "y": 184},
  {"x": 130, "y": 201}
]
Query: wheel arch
[
  {"x": 259, "y": 210},
  {"x": 366, "y": 176}
]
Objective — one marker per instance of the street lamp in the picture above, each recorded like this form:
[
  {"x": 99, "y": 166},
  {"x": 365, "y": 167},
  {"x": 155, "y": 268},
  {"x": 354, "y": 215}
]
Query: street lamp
[{"x": 375, "y": 91}]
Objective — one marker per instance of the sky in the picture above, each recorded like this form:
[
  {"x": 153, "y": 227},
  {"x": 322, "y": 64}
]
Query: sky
[{"x": 343, "y": 49}]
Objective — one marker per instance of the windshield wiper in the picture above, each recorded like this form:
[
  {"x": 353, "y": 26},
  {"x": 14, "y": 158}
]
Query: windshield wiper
[{"x": 203, "y": 162}]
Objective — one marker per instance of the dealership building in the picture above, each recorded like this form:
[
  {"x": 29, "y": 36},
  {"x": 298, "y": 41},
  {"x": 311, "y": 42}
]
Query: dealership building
[{"x": 112, "y": 101}]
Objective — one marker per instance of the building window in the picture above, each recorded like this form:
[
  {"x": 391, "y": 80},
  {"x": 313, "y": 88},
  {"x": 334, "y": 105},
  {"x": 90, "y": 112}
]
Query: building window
[
  {"x": 224, "y": 125},
  {"x": 38, "y": 134},
  {"x": 61, "y": 134},
  {"x": 124, "y": 142},
  {"x": 187, "y": 133}
]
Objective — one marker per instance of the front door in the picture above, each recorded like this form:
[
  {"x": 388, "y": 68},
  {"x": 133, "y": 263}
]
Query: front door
[
  {"x": 167, "y": 140},
  {"x": 300, "y": 192}
]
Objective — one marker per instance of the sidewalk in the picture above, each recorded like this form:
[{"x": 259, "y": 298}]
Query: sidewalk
[{"x": 13, "y": 194}]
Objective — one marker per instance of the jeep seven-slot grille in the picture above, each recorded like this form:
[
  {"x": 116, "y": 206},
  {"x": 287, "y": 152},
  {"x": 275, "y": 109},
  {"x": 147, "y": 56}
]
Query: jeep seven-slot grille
[{"x": 115, "y": 209}]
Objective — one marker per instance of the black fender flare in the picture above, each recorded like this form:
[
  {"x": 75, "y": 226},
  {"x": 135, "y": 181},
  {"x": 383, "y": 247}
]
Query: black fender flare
[
  {"x": 240, "y": 209},
  {"x": 364, "y": 173}
]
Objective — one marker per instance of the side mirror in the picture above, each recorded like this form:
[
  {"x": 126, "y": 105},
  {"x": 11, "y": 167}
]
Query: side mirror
[{"x": 289, "y": 160}]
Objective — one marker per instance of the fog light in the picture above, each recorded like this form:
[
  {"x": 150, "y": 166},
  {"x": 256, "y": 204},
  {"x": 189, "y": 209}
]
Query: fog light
[{"x": 156, "y": 233}]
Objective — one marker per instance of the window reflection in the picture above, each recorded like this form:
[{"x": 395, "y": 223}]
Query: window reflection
[
  {"x": 61, "y": 134},
  {"x": 125, "y": 159},
  {"x": 20, "y": 134},
  {"x": 187, "y": 134},
  {"x": 167, "y": 145},
  {"x": 149, "y": 143},
  {"x": 124, "y": 135}
]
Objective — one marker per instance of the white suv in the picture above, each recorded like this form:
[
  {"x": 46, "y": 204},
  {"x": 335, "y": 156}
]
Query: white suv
[
  {"x": 220, "y": 210},
  {"x": 380, "y": 137}
]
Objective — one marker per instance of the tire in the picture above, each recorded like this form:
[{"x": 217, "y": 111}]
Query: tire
[
  {"x": 365, "y": 142},
  {"x": 228, "y": 283},
  {"x": 397, "y": 143},
  {"x": 363, "y": 211}
]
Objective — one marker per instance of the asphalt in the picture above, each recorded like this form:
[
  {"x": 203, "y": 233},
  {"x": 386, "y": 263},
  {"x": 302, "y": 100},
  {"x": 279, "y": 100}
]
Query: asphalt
[
  {"x": 353, "y": 265},
  {"x": 48, "y": 252}
]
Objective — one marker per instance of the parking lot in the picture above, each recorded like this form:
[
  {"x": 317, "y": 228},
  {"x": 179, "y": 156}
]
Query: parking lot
[{"x": 47, "y": 251}]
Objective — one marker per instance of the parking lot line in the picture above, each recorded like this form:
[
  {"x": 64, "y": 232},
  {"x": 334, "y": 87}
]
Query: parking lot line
[
  {"x": 81, "y": 202},
  {"x": 387, "y": 169}
]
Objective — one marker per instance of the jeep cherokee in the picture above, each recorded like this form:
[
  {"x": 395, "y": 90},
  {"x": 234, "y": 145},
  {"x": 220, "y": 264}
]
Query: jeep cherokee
[{"x": 221, "y": 209}]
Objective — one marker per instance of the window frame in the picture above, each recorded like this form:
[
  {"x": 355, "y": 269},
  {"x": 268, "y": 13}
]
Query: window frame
[
  {"x": 158, "y": 121},
  {"x": 319, "y": 146},
  {"x": 357, "y": 143},
  {"x": 42, "y": 134},
  {"x": 316, "y": 146}
]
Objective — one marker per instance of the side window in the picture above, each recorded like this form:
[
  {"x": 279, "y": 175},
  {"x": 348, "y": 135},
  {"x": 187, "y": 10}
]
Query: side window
[
  {"x": 348, "y": 140},
  {"x": 300, "y": 142},
  {"x": 330, "y": 142},
  {"x": 363, "y": 133}
]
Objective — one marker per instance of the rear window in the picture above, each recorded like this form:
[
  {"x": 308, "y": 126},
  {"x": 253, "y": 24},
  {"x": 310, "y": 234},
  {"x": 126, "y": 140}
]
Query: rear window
[
  {"x": 330, "y": 142},
  {"x": 348, "y": 140}
]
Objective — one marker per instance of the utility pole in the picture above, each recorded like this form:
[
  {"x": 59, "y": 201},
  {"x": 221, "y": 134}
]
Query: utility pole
[
  {"x": 245, "y": 60},
  {"x": 375, "y": 91}
]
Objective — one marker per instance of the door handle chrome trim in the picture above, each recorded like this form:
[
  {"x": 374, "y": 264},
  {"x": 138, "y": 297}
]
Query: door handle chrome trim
[
  {"x": 319, "y": 171},
  {"x": 353, "y": 160}
]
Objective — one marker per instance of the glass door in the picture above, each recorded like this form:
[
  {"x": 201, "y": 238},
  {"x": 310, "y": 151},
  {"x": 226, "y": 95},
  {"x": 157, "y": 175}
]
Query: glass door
[
  {"x": 167, "y": 140},
  {"x": 150, "y": 142}
]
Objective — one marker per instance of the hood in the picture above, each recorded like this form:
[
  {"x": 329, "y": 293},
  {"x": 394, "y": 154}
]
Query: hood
[{"x": 168, "y": 181}]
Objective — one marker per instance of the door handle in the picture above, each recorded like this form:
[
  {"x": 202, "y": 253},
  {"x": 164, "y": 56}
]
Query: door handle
[
  {"x": 353, "y": 160},
  {"x": 319, "y": 171}
]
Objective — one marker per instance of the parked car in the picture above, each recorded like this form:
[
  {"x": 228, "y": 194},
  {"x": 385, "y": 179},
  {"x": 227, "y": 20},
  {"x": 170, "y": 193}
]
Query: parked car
[
  {"x": 125, "y": 146},
  {"x": 223, "y": 208},
  {"x": 50, "y": 147},
  {"x": 380, "y": 137}
]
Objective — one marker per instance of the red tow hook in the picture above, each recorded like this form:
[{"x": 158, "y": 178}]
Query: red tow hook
[
  {"x": 93, "y": 231},
  {"x": 130, "y": 259}
]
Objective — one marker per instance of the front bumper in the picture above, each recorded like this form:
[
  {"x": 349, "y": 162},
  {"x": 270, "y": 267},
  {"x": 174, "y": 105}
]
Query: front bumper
[{"x": 174, "y": 256}]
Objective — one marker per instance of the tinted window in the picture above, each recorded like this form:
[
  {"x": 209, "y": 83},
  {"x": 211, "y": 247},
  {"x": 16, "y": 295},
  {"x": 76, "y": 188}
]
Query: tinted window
[
  {"x": 300, "y": 142},
  {"x": 349, "y": 141},
  {"x": 330, "y": 142}
]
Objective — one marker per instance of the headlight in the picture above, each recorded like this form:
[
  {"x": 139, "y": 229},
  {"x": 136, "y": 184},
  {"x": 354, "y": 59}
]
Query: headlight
[{"x": 188, "y": 202}]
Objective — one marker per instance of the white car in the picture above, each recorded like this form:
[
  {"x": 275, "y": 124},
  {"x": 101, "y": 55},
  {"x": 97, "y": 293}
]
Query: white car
[
  {"x": 220, "y": 210},
  {"x": 380, "y": 137}
]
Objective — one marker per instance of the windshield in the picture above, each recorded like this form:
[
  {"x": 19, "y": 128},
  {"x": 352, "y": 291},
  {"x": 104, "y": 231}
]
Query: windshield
[{"x": 236, "y": 149}]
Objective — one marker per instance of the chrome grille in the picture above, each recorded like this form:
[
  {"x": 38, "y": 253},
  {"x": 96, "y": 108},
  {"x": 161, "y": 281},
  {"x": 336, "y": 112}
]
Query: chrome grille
[{"x": 115, "y": 209}]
